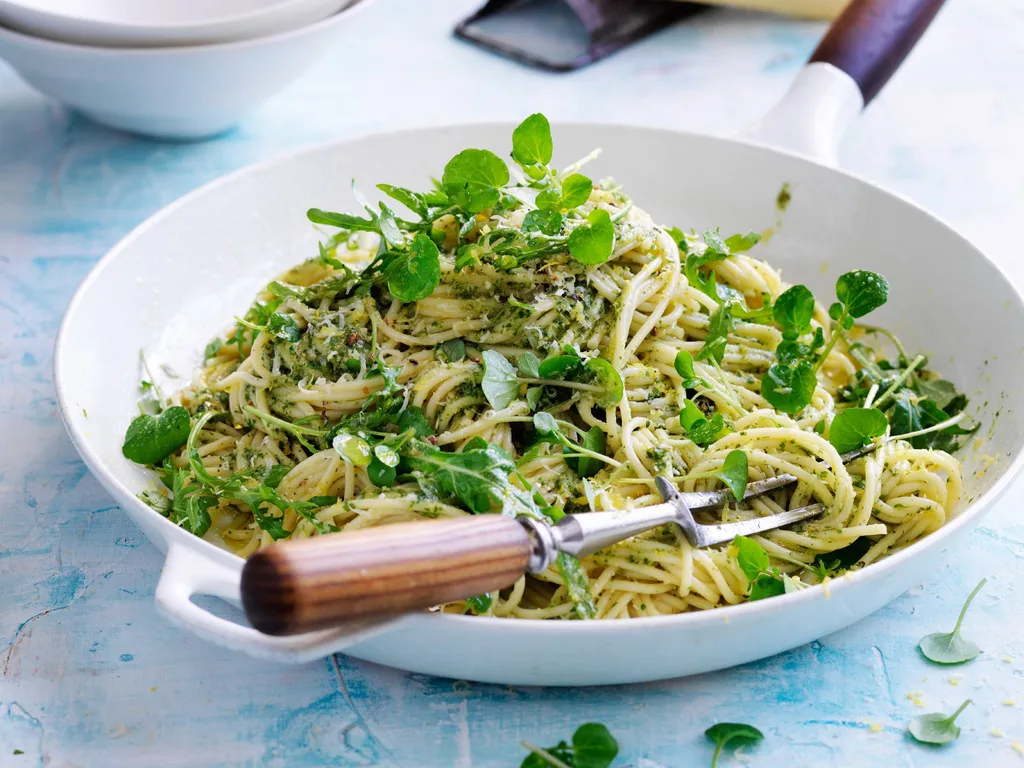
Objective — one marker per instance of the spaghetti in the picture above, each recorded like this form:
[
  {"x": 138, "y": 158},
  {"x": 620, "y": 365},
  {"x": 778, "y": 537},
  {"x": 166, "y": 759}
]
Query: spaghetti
[{"x": 289, "y": 403}]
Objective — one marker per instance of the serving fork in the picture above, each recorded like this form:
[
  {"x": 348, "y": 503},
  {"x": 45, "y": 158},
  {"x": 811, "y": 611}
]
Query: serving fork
[{"x": 310, "y": 584}]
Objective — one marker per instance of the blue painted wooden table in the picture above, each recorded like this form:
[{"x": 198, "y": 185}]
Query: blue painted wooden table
[{"x": 92, "y": 676}]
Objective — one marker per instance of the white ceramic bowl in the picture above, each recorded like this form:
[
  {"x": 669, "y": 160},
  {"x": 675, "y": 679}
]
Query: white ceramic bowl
[
  {"x": 190, "y": 92},
  {"x": 182, "y": 275},
  {"x": 137, "y": 24}
]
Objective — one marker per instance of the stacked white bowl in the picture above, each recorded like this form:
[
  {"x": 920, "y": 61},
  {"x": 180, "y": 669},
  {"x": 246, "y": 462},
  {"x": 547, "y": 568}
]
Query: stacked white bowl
[{"x": 180, "y": 69}]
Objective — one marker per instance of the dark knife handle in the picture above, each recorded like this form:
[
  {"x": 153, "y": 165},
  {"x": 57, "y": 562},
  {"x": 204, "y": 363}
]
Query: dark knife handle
[{"x": 870, "y": 39}]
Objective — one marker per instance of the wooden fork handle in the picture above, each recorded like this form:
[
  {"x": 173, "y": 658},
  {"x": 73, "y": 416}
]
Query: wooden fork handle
[
  {"x": 315, "y": 583},
  {"x": 870, "y": 39}
]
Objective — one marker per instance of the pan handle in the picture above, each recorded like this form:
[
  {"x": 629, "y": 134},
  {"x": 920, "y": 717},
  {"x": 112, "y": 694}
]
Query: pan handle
[
  {"x": 871, "y": 38},
  {"x": 188, "y": 573},
  {"x": 857, "y": 56}
]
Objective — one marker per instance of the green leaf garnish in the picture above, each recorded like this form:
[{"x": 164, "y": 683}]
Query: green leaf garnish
[
  {"x": 594, "y": 440},
  {"x": 500, "y": 383},
  {"x": 734, "y": 473},
  {"x": 606, "y": 377},
  {"x": 548, "y": 222},
  {"x": 594, "y": 242},
  {"x": 854, "y": 427},
  {"x": 576, "y": 191},
  {"x": 531, "y": 141},
  {"x": 721, "y": 324},
  {"x": 415, "y": 276},
  {"x": 529, "y": 365},
  {"x": 952, "y": 647},
  {"x": 794, "y": 309},
  {"x": 935, "y": 727},
  {"x": 735, "y": 733},
  {"x": 593, "y": 746},
  {"x": 742, "y": 243},
  {"x": 480, "y": 604},
  {"x": 765, "y": 581},
  {"x": 861, "y": 292},
  {"x": 451, "y": 351},
  {"x": 789, "y": 388},
  {"x": 473, "y": 179},
  {"x": 151, "y": 439}
]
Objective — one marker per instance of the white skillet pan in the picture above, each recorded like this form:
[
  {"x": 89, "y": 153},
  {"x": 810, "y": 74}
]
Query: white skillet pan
[{"x": 182, "y": 275}]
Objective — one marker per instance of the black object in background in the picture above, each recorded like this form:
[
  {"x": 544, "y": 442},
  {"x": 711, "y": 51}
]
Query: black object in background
[{"x": 563, "y": 35}]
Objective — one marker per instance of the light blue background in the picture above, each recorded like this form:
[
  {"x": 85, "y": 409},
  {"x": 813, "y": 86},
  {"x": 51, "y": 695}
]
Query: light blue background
[{"x": 90, "y": 675}]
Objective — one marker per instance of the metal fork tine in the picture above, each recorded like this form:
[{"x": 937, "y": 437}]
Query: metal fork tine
[{"x": 700, "y": 501}]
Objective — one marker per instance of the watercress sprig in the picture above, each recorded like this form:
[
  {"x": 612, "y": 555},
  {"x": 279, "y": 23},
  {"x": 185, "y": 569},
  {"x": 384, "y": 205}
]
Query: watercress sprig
[
  {"x": 952, "y": 647},
  {"x": 593, "y": 746},
  {"x": 731, "y": 733},
  {"x": 937, "y": 728}
]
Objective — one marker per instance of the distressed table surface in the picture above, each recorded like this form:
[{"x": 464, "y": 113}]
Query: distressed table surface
[{"x": 92, "y": 676}]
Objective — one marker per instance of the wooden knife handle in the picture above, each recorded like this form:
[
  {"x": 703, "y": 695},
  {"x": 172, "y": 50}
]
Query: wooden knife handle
[
  {"x": 870, "y": 39},
  {"x": 300, "y": 586}
]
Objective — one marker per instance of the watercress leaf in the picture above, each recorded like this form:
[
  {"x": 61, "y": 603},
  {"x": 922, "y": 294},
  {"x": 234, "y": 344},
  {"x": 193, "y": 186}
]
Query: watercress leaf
[
  {"x": 706, "y": 431},
  {"x": 548, "y": 222},
  {"x": 386, "y": 454},
  {"x": 576, "y": 191},
  {"x": 451, "y": 351},
  {"x": 952, "y": 647},
  {"x": 533, "y": 396},
  {"x": 548, "y": 200},
  {"x": 561, "y": 752},
  {"x": 545, "y": 423},
  {"x": 531, "y": 141},
  {"x": 741, "y": 243},
  {"x": 473, "y": 179},
  {"x": 720, "y": 326},
  {"x": 529, "y": 365},
  {"x": 689, "y": 415},
  {"x": 854, "y": 427},
  {"x": 593, "y": 243},
  {"x": 750, "y": 556},
  {"x": 481, "y": 603},
  {"x": 684, "y": 365},
  {"x": 416, "y": 276},
  {"x": 862, "y": 291},
  {"x": 605, "y": 376},
  {"x": 381, "y": 474},
  {"x": 904, "y": 415},
  {"x": 212, "y": 349},
  {"x": 734, "y": 473},
  {"x": 935, "y": 727},
  {"x": 559, "y": 367},
  {"x": 794, "y": 309},
  {"x": 352, "y": 448},
  {"x": 151, "y": 439},
  {"x": 735, "y": 733},
  {"x": 767, "y": 585},
  {"x": 284, "y": 327},
  {"x": 594, "y": 746},
  {"x": 595, "y": 440},
  {"x": 835, "y": 310},
  {"x": 789, "y": 388},
  {"x": 500, "y": 383},
  {"x": 415, "y": 419}
]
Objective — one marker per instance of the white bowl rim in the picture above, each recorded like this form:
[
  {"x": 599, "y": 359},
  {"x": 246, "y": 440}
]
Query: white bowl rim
[
  {"x": 214, "y": 21},
  {"x": 743, "y": 610},
  {"x": 177, "y": 50}
]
